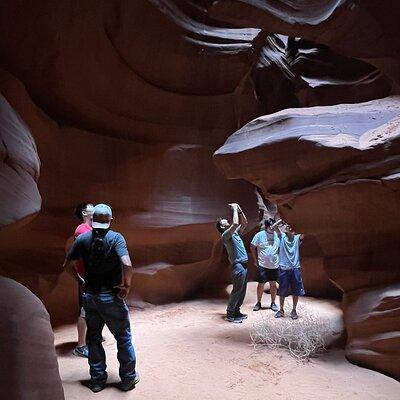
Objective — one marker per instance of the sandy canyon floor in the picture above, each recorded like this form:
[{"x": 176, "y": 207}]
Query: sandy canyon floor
[{"x": 187, "y": 351}]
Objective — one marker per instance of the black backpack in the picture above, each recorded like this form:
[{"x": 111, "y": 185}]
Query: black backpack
[{"x": 98, "y": 253}]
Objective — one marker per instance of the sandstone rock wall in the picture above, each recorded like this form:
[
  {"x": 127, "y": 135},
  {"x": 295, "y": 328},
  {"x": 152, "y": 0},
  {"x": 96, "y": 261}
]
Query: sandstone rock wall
[
  {"x": 118, "y": 120},
  {"x": 128, "y": 100},
  {"x": 334, "y": 173},
  {"x": 28, "y": 367},
  {"x": 19, "y": 168}
]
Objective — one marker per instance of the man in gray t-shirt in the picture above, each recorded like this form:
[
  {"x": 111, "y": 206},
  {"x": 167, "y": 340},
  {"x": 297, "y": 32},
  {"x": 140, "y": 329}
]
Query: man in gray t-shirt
[{"x": 238, "y": 258}]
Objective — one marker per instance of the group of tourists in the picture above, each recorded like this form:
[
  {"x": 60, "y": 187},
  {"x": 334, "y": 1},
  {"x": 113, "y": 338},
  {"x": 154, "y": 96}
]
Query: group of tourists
[
  {"x": 99, "y": 262},
  {"x": 276, "y": 254}
]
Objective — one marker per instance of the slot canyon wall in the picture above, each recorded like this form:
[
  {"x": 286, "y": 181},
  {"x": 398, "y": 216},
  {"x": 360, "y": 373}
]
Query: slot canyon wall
[
  {"x": 125, "y": 102},
  {"x": 333, "y": 171}
]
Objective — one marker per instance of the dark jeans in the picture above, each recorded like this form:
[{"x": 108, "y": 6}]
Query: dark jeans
[
  {"x": 107, "y": 308},
  {"x": 239, "y": 281}
]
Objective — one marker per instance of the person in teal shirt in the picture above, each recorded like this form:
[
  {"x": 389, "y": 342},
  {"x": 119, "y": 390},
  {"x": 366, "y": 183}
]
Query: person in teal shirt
[{"x": 238, "y": 259}]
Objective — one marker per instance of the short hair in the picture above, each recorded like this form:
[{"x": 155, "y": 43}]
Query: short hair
[
  {"x": 269, "y": 222},
  {"x": 218, "y": 225},
  {"x": 79, "y": 209}
]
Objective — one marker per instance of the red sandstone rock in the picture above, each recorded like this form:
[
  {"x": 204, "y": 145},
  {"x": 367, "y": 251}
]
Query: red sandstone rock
[
  {"x": 128, "y": 100},
  {"x": 373, "y": 326},
  {"x": 19, "y": 168},
  {"x": 366, "y": 30},
  {"x": 28, "y": 367},
  {"x": 166, "y": 198},
  {"x": 333, "y": 171}
]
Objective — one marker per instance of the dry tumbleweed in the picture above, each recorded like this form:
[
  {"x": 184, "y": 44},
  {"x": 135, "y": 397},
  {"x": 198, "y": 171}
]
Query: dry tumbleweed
[{"x": 304, "y": 338}]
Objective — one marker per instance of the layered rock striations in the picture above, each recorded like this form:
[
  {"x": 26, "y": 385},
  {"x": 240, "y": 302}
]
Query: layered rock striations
[
  {"x": 19, "y": 168},
  {"x": 127, "y": 101},
  {"x": 334, "y": 173},
  {"x": 366, "y": 30}
]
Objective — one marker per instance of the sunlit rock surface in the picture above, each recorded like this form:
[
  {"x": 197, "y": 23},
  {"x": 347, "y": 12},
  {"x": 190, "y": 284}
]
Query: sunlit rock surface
[
  {"x": 366, "y": 30},
  {"x": 334, "y": 173}
]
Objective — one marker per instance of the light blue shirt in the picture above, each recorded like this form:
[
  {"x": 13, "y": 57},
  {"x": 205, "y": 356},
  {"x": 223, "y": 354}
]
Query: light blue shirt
[
  {"x": 235, "y": 248},
  {"x": 268, "y": 253},
  {"x": 289, "y": 252}
]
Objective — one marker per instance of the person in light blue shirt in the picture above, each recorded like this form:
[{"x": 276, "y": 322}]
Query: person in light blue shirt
[
  {"x": 290, "y": 281},
  {"x": 238, "y": 259}
]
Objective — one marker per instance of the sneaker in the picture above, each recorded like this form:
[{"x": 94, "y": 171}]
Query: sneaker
[
  {"x": 81, "y": 351},
  {"x": 240, "y": 315},
  {"x": 257, "y": 307},
  {"x": 279, "y": 314},
  {"x": 233, "y": 319},
  {"x": 294, "y": 315},
  {"x": 128, "y": 384},
  {"x": 274, "y": 307},
  {"x": 96, "y": 386}
]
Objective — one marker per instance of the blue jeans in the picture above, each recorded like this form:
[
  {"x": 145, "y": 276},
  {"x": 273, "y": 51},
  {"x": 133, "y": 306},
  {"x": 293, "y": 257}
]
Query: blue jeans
[
  {"x": 108, "y": 309},
  {"x": 239, "y": 281}
]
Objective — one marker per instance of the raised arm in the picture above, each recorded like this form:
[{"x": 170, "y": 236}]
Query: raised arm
[
  {"x": 275, "y": 227},
  {"x": 242, "y": 220},
  {"x": 235, "y": 221}
]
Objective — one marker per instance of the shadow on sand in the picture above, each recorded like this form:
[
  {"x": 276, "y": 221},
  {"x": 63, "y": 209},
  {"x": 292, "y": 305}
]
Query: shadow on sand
[{"x": 64, "y": 349}]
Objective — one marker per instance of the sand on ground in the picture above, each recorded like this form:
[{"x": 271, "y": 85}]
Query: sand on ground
[{"x": 188, "y": 351}]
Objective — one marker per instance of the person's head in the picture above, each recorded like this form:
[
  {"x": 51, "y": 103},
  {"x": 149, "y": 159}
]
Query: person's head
[
  {"x": 222, "y": 225},
  {"x": 286, "y": 228},
  {"x": 84, "y": 211},
  {"x": 102, "y": 216},
  {"x": 268, "y": 224}
]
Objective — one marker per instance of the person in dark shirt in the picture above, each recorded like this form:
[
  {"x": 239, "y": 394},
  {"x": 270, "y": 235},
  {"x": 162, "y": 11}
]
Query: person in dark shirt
[{"x": 106, "y": 283}]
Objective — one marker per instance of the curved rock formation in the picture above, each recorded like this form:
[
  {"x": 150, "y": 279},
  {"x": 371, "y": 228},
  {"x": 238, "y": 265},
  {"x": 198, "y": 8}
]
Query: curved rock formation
[
  {"x": 28, "y": 368},
  {"x": 128, "y": 100},
  {"x": 19, "y": 168},
  {"x": 118, "y": 121},
  {"x": 373, "y": 323},
  {"x": 334, "y": 173},
  {"x": 365, "y": 30}
]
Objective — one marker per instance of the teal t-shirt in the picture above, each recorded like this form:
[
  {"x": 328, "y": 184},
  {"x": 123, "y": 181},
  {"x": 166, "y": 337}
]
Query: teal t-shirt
[{"x": 235, "y": 248}]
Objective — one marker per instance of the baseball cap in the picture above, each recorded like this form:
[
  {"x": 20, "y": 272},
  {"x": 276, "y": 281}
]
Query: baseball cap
[{"x": 102, "y": 216}]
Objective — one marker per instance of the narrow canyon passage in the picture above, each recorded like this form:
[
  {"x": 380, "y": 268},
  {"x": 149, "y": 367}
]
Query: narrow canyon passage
[
  {"x": 187, "y": 351},
  {"x": 169, "y": 111}
]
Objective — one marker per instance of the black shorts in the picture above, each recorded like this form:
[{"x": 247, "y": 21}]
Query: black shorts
[{"x": 267, "y": 275}]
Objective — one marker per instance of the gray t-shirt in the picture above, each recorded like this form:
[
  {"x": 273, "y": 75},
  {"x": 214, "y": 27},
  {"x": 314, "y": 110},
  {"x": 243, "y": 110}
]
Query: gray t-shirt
[
  {"x": 101, "y": 253},
  {"x": 289, "y": 252},
  {"x": 235, "y": 247}
]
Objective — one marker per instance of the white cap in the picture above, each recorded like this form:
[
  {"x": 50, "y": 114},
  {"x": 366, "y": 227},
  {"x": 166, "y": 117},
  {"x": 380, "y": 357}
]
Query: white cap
[{"x": 102, "y": 216}]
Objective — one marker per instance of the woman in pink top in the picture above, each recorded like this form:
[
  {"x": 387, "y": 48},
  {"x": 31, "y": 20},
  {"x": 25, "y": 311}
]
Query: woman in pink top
[{"x": 83, "y": 212}]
